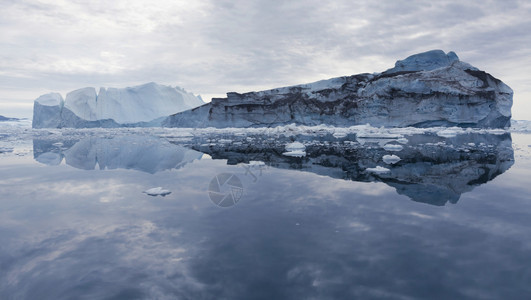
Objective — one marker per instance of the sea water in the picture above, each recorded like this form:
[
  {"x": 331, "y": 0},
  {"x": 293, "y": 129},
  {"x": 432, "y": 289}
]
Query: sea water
[{"x": 221, "y": 214}]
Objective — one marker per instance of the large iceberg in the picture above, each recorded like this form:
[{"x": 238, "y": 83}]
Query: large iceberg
[
  {"x": 427, "y": 89},
  {"x": 143, "y": 105}
]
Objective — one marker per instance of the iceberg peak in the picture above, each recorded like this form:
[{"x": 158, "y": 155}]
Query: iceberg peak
[
  {"x": 425, "y": 61},
  {"x": 51, "y": 99},
  {"x": 428, "y": 89}
]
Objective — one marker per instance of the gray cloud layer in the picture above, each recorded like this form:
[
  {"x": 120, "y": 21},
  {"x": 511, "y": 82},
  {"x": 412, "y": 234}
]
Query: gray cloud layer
[{"x": 212, "y": 47}]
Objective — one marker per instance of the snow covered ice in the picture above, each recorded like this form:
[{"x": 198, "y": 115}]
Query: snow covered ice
[
  {"x": 424, "y": 90},
  {"x": 295, "y": 149},
  {"x": 378, "y": 170},
  {"x": 390, "y": 159},
  {"x": 143, "y": 105}
]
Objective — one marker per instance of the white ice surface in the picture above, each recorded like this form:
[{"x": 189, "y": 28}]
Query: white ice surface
[
  {"x": 393, "y": 147},
  {"x": 295, "y": 153},
  {"x": 295, "y": 146},
  {"x": 390, "y": 159},
  {"x": 378, "y": 170},
  {"x": 51, "y": 99},
  {"x": 141, "y": 103}
]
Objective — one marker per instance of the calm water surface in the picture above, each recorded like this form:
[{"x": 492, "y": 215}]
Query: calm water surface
[{"x": 450, "y": 220}]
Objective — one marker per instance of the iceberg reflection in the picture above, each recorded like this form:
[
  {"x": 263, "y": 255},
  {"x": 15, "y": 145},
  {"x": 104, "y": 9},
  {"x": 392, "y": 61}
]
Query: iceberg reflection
[
  {"x": 425, "y": 167},
  {"x": 142, "y": 153}
]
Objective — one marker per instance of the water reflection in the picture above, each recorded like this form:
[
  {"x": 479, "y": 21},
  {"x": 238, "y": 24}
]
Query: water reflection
[
  {"x": 431, "y": 169},
  {"x": 427, "y": 168},
  {"x": 296, "y": 235},
  {"x": 143, "y": 153}
]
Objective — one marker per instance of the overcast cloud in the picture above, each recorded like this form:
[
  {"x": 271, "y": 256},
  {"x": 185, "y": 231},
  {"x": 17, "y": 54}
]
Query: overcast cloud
[{"x": 213, "y": 47}]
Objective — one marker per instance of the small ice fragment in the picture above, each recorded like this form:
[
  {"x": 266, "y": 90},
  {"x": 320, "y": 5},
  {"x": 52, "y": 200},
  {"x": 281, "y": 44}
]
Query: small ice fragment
[
  {"x": 339, "y": 135},
  {"x": 157, "y": 191},
  {"x": 393, "y": 147},
  {"x": 295, "y": 146},
  {"x": 402, "y": 140},
  {"x": 448, "y": 133},
  {"x": 295, "y": 149},
  {"x": 256, "y": 163},
  {"x": 391, "y": 159},
  {"x": 295, "y": 153},
  {"x": 497, "y": 131},
  {"x": 378, "y": 170}
]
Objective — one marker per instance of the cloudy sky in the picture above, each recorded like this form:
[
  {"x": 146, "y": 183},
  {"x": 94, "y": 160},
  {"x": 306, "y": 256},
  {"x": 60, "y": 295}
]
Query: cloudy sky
[{"x": 211, "y": 47}]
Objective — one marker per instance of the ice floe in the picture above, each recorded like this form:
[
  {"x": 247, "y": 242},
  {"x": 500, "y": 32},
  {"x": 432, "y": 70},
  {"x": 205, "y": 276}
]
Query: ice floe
[
  {"x": 378, "y": 170},
  {"x": 390, "y": 159}
]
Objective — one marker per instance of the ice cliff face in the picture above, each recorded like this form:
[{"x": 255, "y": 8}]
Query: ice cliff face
[
  {"x": 47, "y": 111},
  {"x": 426, "y": 89},
  {"x": 143, "y": 105}
]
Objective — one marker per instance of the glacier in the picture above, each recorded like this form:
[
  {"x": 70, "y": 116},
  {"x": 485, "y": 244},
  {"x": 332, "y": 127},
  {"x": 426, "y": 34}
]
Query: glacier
[
  {"x": 139, "y": 106},
  {"x": 428, "y": 89}
]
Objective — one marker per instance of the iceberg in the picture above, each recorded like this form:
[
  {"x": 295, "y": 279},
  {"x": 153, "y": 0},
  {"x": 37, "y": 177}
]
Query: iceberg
[
  {"x": 428, "y": 89},
  {"x": 138, "y": 106},
  {"x": 47, "y": 111}
]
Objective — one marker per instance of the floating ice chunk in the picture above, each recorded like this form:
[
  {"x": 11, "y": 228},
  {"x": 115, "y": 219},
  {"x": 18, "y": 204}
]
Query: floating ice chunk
[
  {"x": 295, "y": 146},
  {"x": 339, "y": 135},
  {"x": 402, "y": 140},
  {"x": 449, "y": 132},
  {"x": 391, "y": 159},
  {"x": 295, "y": 153},
  {"x": 393, "y": 147},
  {"x": 497, "y": 131},
  {"x": 256, "y": 163},
  {"x": 378, "y": 170},
  {"x": 295, "y": 149},
  {"x": 377, "y": 133},
  {"x": 157, "y": 191}
]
